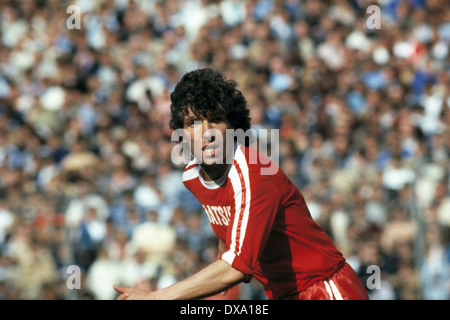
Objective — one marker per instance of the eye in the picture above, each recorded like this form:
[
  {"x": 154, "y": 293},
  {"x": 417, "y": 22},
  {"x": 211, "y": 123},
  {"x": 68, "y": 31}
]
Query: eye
[{"x": 191, "y": 122}]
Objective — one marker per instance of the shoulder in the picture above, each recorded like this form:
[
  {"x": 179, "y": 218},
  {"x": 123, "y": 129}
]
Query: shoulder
[
  {"x": 253, "y": 170},
  {"x": 257, "y": 163},
  {"x": 191, "y": 171}
]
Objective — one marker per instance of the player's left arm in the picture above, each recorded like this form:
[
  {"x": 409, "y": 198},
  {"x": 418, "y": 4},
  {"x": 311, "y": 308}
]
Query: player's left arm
[{"x": 215, "y": 278}]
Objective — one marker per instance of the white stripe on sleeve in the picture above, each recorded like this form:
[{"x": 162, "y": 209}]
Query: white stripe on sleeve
[
  {"x": 191, "y": 173},
  {"x": 242, "y": 210}
]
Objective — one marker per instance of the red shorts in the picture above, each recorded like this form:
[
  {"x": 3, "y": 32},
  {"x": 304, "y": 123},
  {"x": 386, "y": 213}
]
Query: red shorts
[{"x": 343, "y": 285}]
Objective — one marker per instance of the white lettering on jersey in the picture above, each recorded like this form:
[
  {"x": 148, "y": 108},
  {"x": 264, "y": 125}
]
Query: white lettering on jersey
[{"x": 219, "y": 215}]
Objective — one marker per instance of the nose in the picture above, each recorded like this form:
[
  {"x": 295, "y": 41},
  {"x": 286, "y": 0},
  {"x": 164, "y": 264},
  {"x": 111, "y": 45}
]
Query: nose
[
  {"x": 206, "y": 125},
  {"x": 208, "y": 135}
]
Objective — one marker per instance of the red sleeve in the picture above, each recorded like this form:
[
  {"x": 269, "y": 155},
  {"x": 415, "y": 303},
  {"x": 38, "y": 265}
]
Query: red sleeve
[{"x": 257, "y": 201}]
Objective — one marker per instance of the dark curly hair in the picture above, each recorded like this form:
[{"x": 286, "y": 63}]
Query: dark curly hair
[{"x": 209, "y": 95}]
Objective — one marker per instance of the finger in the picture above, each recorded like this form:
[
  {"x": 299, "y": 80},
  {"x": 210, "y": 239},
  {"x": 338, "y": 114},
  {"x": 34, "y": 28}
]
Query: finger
[{"x": 119, "y": 288}]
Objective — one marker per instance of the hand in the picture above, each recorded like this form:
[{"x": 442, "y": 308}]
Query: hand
[{"x": 132, "y": 293}]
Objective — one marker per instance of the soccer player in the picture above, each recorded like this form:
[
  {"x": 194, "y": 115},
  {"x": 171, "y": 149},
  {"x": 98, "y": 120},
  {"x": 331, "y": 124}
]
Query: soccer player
[{"x": 262, "y": 221}]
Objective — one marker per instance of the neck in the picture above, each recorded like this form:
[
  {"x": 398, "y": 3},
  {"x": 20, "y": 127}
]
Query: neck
[{"x": 213, "y": 172}]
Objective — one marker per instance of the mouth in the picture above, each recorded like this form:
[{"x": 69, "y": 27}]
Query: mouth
[{"x": 209, "y": 149}]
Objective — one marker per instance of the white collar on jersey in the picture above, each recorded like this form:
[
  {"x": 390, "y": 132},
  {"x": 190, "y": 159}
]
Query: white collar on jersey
[{"x": 215, "y": 183}]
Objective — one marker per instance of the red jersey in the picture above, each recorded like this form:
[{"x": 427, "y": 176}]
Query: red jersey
[{"x": 265, "y": 224}]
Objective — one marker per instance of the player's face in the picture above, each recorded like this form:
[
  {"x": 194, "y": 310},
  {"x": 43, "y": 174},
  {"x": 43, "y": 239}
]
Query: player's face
[{"x": 207, "y": 138}]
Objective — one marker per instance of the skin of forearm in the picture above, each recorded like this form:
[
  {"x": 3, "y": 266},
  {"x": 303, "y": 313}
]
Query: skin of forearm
[{"x": 215, "y": 278}]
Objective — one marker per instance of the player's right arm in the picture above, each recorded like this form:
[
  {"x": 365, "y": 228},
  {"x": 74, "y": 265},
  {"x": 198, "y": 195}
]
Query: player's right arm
[
  {"x": 221, "y": 249},
  {"x": 215, "y": 278}
]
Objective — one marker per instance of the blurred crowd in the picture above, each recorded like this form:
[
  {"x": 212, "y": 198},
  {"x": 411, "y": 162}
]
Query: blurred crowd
[{"x": 86, "y": 177}]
